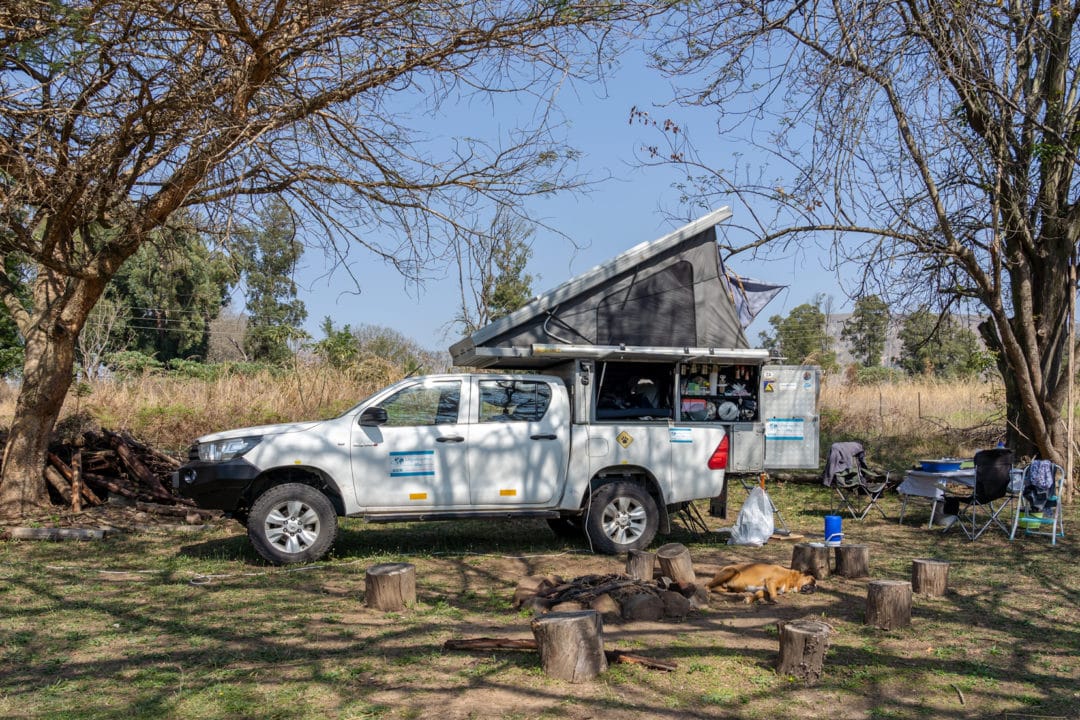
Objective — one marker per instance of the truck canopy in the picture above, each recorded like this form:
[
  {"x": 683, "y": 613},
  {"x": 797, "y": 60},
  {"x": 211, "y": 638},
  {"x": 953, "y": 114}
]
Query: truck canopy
[{"x": 670, "y": 293}]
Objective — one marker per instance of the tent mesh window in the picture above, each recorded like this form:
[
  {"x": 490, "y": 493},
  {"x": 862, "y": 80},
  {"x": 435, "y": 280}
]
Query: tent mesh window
[{"x": 654, "y": 310}]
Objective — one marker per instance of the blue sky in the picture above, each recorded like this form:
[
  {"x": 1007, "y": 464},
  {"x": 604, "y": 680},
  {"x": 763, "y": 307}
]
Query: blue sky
[{"x": 615, "y": 215}]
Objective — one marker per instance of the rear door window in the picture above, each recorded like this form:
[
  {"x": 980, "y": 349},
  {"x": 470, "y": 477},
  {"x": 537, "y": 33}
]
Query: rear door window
[{"x": 513, "y": 400}]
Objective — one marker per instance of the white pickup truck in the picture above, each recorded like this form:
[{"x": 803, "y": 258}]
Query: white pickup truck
[{"x": 463, "y": 446}]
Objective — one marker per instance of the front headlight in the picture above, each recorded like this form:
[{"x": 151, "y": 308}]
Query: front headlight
[{"x": 222, "y": 450}]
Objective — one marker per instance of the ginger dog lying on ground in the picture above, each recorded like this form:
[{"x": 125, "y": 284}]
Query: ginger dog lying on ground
[{"x": 761, "y": 581}]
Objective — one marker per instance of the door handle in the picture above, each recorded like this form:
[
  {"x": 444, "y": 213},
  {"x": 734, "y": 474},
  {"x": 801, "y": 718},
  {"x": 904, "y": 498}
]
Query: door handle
[
  {"x": 450, "y": 438},
  {"x": 549, "y": 436}
]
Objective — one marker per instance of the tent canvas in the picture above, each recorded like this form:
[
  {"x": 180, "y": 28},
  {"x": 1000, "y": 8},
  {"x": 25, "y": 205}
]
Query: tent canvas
[{"x": 668, "y": 292}]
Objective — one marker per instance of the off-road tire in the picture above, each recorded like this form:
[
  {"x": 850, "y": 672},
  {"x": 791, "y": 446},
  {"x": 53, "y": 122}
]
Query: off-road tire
[
  {"x": 292, "y": 523},
  {"x": 621, "y": 516}
]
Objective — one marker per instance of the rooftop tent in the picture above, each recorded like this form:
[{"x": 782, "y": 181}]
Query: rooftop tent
[{"x": 669, "y": 292}]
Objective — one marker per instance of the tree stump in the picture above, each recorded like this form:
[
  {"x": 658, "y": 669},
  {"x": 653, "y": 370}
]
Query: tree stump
[
  {"x": 929, "y": 577},
  {"x": 675, "y": 563},
  {"x": 640, "y": 565},
  {"x": 852, "y": 561},
  {"x": 811, "y": 558},
  {"x": 571, "y": 645},
  {"x": 390, "y": 586},
  {"x": 802, "y": 649},
  {"x": 888, "y": 604}
]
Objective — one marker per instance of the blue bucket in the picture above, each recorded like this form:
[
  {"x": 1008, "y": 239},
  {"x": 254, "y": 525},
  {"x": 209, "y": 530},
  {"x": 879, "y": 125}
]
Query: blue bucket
[{"x": 833, "y": 531}]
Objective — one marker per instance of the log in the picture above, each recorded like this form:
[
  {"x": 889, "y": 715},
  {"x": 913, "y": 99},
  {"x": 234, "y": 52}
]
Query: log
[
  {"x": 571, "y": 645},
  {"x": 54, "y": 478},
  {"x": 640, "y": 564},
  {"x": 888, "y": 604},
  {"x": 929, "y": 577},
  {"x": 135, "y": 465},
  {"x": 802, "y": 649},
  {"x": 852, "y": 561},
  {"x": 62, "y": 466},
  {"x": 74, "y": 475},
  {"x": 675, "y": 563},
  {"x": 121, "y": 487},
  {"x": 76, "y": 482},
  {"x": 811, "y": 558},
  {"x": 390, "y": 587},
  {"x": 613, "y": 656}
]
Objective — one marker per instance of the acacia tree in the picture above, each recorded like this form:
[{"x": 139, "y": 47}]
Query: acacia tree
[
  {"x": 802, "y": 336},
  {"x": 936, "y": 143},
  {"x": 491, "y": 273},
  {"x": 117, "y": 114}
]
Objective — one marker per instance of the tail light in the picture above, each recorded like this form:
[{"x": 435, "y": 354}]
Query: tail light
[{"x": 718, "y": 461}]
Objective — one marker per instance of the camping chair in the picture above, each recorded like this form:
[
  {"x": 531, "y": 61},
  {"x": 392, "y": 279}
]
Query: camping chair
[
  {"x": 1038, "y": 503},
  {"x": 992, "y": 475},
  {"x": 858, "y": 487}
]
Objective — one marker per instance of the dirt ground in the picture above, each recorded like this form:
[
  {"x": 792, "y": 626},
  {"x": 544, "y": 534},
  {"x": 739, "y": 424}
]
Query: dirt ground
[{"x": 224, "y": 635}]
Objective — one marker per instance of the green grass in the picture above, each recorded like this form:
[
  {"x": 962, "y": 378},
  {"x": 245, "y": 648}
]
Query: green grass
[{"x": 195, "y": 626}]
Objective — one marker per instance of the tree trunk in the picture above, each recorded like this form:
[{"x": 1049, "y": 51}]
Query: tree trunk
[
  {"x": 50, "y": 335},
  {"x": 852, "y": 561},
  {"x": 811, "y": 558},
  {"x": 641, "y": 564},
  {"x": 571, "y": 645},
  {"x": 390, "y": 587},
  {"x": 888, "y": 604},
  {"x": 803, "y": 644},
  {"x": 929, "y": 577},
  {"x": 676, "y": 564},
  {"x": 1042, "y": 436}
]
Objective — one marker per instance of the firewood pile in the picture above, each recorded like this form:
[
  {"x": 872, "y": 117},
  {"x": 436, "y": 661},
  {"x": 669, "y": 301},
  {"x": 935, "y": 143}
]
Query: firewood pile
[
  {"x": 616, "y": 597},
  {"x": 100, "y": 464}
]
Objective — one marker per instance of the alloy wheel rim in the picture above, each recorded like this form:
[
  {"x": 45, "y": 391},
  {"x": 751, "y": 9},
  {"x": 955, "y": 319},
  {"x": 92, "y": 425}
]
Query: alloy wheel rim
[
  {"x": 292, "y": 526},
  {"x": 624, "y": 520}
]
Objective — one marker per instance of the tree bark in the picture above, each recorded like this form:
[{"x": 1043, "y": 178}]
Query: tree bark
[
  {"x": 61, "y": 306},
  {"x": 571, "y": 645},
  {"x": 802, "y": 649},
  {"x": 888, "y": 604},
  {"x": 676, "y": 564},
  {"x": 929, "y": 577},
  {"x": 852, "y": 561},
  {"x": 640, "y": 564},
  {"x": 811, "y": 558},
  {"x": 390, "y": 587}
]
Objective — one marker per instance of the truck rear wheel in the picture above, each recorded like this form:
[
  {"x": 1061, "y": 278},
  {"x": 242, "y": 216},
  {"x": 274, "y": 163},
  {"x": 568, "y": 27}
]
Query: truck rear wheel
[
  {"x": 292, "y": 523},
  {"x": 622, "y": 516}
]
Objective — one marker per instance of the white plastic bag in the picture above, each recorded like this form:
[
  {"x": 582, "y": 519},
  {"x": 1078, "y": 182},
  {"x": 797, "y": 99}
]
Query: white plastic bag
[{"x": 754, "y": 525}]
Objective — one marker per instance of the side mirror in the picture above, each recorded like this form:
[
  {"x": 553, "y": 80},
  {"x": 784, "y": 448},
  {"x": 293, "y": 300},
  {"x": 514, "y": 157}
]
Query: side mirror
[{"x": 373, "y": 416}]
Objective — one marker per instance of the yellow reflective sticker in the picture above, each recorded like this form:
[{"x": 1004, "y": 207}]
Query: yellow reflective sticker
[
  {"x": 624, "y": 439},
  {"x": 508, "y": 493},
  {"x": 418, "y": 496}
]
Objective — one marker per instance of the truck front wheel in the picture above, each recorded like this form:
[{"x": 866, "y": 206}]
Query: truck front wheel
[
  {"x": 292, "y": 523},
  {"x": 622, "y": 516}
]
